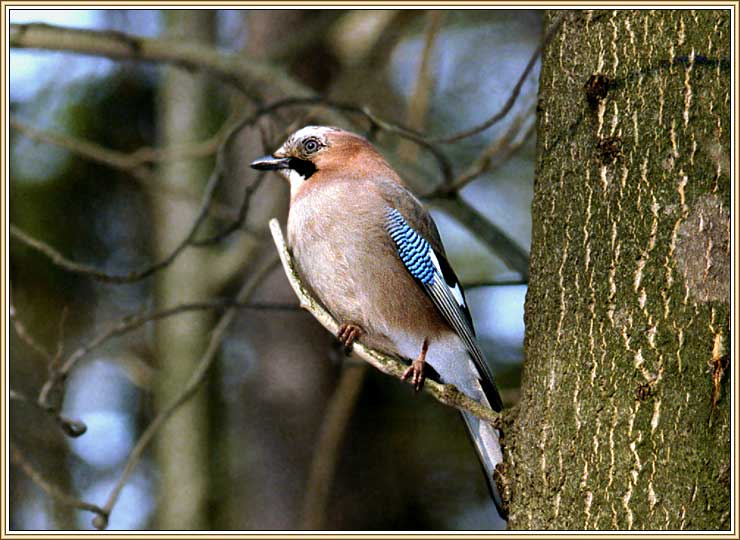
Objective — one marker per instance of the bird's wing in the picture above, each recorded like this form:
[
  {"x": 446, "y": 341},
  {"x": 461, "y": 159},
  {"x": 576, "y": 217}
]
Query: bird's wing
[{"x": 428, "y": 265}]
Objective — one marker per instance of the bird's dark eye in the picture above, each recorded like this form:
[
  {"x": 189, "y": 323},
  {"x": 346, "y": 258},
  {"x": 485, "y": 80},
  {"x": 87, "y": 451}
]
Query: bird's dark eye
[{"x": 311, "y": 145}]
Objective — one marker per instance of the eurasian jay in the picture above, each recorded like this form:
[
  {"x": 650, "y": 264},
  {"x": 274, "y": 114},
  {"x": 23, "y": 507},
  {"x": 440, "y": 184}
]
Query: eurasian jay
[{"x": 372, "y": 255}]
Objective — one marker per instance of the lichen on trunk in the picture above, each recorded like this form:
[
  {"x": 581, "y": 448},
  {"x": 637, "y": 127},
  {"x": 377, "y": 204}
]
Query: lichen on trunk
[{"x": 625, "y": 414}]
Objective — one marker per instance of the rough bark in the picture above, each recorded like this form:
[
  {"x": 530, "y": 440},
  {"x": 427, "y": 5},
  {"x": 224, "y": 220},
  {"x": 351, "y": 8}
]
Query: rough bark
[
  {"x": 182, "y": 446},
  {"x": 625, "y": 413}
]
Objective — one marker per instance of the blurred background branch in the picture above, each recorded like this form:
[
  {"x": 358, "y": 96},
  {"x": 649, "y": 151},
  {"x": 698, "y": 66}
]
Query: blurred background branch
[
  {"x": 326, "y": 453},
  {"x": 244, "y": 74},
  {"x": 18, "y": 459},
  {"x": 184, "y": 393}
]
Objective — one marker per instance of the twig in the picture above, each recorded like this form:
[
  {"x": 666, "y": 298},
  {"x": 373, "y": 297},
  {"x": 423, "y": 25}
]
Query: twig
[
  {"x": 325, "y": 455},
  {"x": 126, "y": 161},
  {"x": 237, "y": 222},
  {"x": 52, "y": 388},
  {"x": 133, "y": 163},
  {"x": 53, "y": 491},
  {"x": 132, "y": 322},
  {"x": 78, "y": 268},
  {"x": 89, "y": 150},
  {"x": 421, "y": 138},
  {"x": 71, "y": 266},
  {"x": 26, "y": 337},
  {"x": 72, "y": 428},
  {"x": 196, "y": 379},
  {"x": 444, "y": 393},
  {"x": 486, "y": 231},
  {"x": 419, "y": 102},
  {"x": 60, "y": 340},
  {"x": 512, "y": 97},
  {"x": 246, "y": 74},
  {"x": 499, "y": 151}
]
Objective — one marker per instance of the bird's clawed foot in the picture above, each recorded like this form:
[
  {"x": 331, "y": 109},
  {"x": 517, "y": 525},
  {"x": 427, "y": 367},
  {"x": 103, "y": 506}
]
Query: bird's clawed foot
[
  {"x": 415, "y": 371},
  {"x": 348, "y": 334}
]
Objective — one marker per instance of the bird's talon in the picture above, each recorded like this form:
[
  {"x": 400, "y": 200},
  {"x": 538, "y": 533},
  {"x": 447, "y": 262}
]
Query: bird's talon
[
  {"x": 348, "y": 333},
  {"x": 416, "y": 373},
  {"x": 416, "y": 369}
]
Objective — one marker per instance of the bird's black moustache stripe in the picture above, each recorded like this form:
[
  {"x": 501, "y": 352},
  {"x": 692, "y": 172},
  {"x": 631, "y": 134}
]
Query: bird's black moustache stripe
[{"x": 303, "y": 167}]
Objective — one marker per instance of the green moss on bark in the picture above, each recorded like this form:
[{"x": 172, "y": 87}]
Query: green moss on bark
[{"x": 623, "y": 424}]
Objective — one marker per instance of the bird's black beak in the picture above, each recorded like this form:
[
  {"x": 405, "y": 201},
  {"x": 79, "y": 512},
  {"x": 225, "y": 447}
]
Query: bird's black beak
[{"x": 270, "y": 163}]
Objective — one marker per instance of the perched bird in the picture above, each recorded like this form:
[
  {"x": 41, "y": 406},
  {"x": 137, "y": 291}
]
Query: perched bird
[{"x": 372, "y": 255}]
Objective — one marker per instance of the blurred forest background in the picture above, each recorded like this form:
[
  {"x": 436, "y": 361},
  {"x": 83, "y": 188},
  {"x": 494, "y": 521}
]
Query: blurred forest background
[{"x": 110, "y": 159}]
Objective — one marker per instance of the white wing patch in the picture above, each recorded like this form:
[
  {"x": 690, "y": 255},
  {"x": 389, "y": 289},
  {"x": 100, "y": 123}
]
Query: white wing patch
[{"x": 456, "y": 292}]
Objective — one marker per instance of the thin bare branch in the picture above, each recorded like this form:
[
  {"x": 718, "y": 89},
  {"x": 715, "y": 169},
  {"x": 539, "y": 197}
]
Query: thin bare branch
[
  {"x": 79, "y": 268},
  {"x": 421, "y": 138},
  {"x": 248, "y": 75},
  {"x": 512, "y": 97},
  {"x": 238, "y": 222},
  {"x": 487, "y": 232},
  {"x": 134, "y": 163},
  {"x": 193, "y": 384},
  {"x": 495, "y": 154},
  {"x": 423, "y": 90},
  {"x": 56, "y": 361},
  {"x": 52, "y": 490},
  {"x": 444, "y": 393},
  {"x": 326, "y": 453},
  {"x": 92, "y": 151},
  {"x": 52, "y": 392},
  {"x": 131, "y": 162},
  {"x": 26, "y": 337},
  {"x": 132, "y": 322},
  {"x": 71, "y": 266}
]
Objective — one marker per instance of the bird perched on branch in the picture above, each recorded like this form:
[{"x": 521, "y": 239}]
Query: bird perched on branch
[{"x": 371, "y": 253}]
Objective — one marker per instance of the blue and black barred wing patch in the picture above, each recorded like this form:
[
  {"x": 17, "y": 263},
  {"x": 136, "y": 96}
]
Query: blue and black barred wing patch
[
  {"x": 411, "y": 247},
  {"x": 440, "y": 283}
]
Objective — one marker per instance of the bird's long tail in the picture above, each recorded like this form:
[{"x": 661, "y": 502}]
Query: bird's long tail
[
  {"x": 453, "y": 363},
  {"x": 486, "y": 440}
]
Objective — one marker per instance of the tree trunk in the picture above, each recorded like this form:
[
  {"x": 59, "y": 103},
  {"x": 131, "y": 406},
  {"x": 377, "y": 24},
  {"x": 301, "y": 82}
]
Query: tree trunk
[
  {"x": 625, "y": 413},
  {"x": 183, "y": 443}
]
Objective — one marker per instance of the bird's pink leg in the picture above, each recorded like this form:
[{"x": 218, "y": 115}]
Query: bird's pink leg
[
  {"x": 416, "y": 370},
  {"x": 348, "y": 334}
]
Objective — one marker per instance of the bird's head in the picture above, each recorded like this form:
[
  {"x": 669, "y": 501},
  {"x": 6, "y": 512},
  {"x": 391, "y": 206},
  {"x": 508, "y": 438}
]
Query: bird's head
[{"x": 319, "y": 153}]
